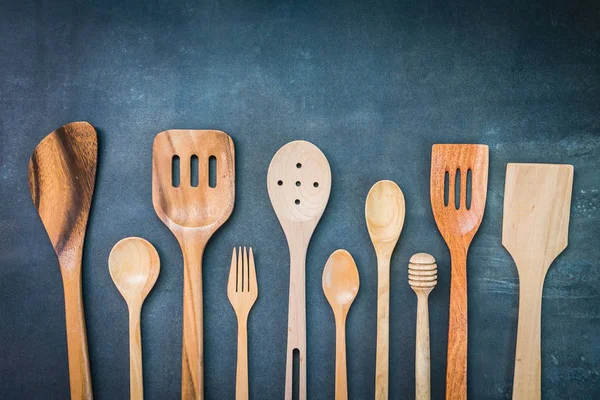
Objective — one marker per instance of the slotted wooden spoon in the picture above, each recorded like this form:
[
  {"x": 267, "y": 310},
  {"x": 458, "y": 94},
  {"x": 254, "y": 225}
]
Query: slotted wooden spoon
[
  {"x": 193, "y": 214},
  {"x": 535, "y": 228},
  {"x": 458, "y": 226},
  {"x": 299, "y": 183},
  {"x": 62, "y": 173}
]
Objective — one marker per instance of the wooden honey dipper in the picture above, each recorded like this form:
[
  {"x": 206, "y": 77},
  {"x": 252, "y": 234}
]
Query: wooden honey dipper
[{"x": 422, "y": 278}]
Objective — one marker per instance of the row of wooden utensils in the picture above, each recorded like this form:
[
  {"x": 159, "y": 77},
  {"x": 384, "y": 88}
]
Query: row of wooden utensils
[{"x": 194, "y": 204}]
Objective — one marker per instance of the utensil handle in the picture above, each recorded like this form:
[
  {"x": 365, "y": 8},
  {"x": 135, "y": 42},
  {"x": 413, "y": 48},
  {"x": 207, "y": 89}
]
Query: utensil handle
[
  {"x": 382, "y": 357},
  {"x": 456, "y": 372},
  {"x": 341, "y": 376},
  {"x": 296, "y": 323},
  {"x": 136, "y": 380},
  {"x": 241, "y": 377},
  {"x": 79, "y": 364},
  {"x": 422, "y": 358},
  {"x": 527, "y": 379},
  {"x": 192, "y": 358}
]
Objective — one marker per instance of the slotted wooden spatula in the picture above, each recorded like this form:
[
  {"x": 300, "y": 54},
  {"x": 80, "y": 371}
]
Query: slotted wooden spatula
[
  {"x": 62, "y": 173},
  {"x": 193, "y": 211},
  {"x": 299, "y": 183},
  {"x": 458, "y": 220},
  {"x": 535, "y": 227}
]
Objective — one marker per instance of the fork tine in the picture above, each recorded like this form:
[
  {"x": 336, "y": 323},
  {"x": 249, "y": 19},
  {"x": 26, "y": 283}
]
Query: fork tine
[
  {"x": 240, "y": 271},
  {"x": 232, "y": 284},
  {"x": 252, "y": 283},
  {"x": 246, "y": 271}
]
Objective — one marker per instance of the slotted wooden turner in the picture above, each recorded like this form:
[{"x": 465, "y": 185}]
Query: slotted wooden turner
[
  {"x": 299, "y": 183},
  {"x": 535, "y": 227},
  {"x": 458, "y": 225},
  {"x": 193, "y": 214}
]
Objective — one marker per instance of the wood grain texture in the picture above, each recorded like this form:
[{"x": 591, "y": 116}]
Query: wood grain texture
[
  {"x": 458, "y": 226},
  {"x": 242, "y": 291},
  {"x": 535, "y": 228},
  {"x": 384, "y": 213},
  {"x": 422, "y": 278},
  {"x": 299, "y": 184},
  {"x": 62, "y": 174},
  {"x": 340, "y": 285},
  {"x": 193, "y": 214},
  {"x": 134, "y": 266}
]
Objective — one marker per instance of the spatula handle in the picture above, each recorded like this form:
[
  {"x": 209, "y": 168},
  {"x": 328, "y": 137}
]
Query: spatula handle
[
  {"x": 527, "y": 380},
  {"x": 456, "y": 369},
  {"x": 79, "y": 364},
  {"x": 192, "y": 358},
  {"x": 296, "y": 324}
]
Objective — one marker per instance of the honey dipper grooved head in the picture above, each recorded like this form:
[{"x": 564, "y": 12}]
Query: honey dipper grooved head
[{"x": 422, "y": 271}]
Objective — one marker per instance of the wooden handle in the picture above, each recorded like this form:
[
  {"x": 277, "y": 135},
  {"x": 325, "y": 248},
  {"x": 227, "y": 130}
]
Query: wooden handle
[
  {"x": 527, "y": 381},
  {"x": 79, "y": 364},
  {"x": 192, "y": 358},
  {"x": 241, "y": 377},
  {"x": 382, "y": 356},
  {"x": 456, "y": 372},
  {"x": 341, "y": 377},
  {"x": 422, "y": 359},
  {"x": 136, "y": 380},
  {"x": 296, "y": 322}
]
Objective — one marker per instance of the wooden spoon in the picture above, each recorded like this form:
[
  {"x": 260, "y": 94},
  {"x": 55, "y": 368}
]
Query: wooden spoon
[
  {"x": 384, "y": 212},
  {"x": 458, "y": 222},
  {"x": 340, "y": 284},
  {"x": 535, "y": 229},
  {"x": 62, "y": 173},
  {"x": 299, "y": 183},
  {"x": 193, "y": 210},
  {"x": 134, "y": 266}
]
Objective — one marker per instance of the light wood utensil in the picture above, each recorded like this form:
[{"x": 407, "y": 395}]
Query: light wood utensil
[
  {"x": 62, "y": 173},
  {"x": 134, "y": 266},
  {"x": 340, "y": 284},
  {"x": 193, "y": 213},
  {"x": 299, "y": 183},
  {"x": 242, "y": 291},
  {"x": 384, "y": 213},
  {"x": 535, "y": 228},
  {"x": 458, "y": 220},
  {"x": 422, "y": 278}
]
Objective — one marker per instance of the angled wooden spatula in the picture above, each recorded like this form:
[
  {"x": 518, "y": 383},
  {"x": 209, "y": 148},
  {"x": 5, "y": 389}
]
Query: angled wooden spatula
[
  {"x": 193, "y": 209},
  {"x": 537, "y": 204},
  {"x": 62, "y": 173}
]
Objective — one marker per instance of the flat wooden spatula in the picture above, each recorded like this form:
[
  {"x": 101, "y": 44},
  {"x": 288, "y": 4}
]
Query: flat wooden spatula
[
  {"x": 62, "y": 173},
  {"x": 537, "y": 204}
]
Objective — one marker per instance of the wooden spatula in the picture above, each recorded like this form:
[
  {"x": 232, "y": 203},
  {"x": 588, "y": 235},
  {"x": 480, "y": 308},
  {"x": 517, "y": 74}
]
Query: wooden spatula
[
  {"x": 299, "y": 183},
  {"x": 537, "y": 204},
  {"x": 62, "y": 173},
  {"x": 458, "y": 220},
  {"x": 193, "y": 211}
]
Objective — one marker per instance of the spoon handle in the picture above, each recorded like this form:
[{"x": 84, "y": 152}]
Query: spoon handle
[
  {"x": 241, "y": 377},
  {"x": 341, "y": 376},
  {"x": 136, "y": 380},
  {"x": 422, "y": 356},
  {"x": 383, "y": 328},
  {"x": 79, "y": 365}
]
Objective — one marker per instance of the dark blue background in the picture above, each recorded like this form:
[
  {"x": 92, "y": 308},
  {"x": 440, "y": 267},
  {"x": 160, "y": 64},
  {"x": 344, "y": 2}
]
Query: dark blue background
[{"x": 374, "y": 84}]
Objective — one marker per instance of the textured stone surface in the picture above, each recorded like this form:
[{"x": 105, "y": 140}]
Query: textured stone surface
[{"x": 374, "y": 85}]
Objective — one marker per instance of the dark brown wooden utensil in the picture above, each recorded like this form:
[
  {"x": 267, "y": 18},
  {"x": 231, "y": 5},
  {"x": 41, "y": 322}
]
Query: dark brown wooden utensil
[
  {"x": 458, "y": 220},
  {"x": 62, "y": 173}
]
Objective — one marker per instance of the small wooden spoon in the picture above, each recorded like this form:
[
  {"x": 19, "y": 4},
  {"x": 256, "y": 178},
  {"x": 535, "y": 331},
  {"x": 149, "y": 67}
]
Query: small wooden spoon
[
  {"x": 384, "y": 212},
  {"x": 134, "y": 266},
  {"x": 340, "y": 284}
]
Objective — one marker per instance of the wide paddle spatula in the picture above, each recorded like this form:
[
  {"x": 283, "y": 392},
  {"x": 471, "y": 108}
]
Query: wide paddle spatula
[
  {"x": 299, "y": 183},
  {"x": 62, "y": 173},
  {"x": 465, "y": 169},
  {"x": 193, "y": 208},
  {"x": 535, "y": 227}
]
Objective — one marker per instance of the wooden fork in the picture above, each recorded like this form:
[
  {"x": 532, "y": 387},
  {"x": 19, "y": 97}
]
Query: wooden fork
[{"x": 242, "y": 290}]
